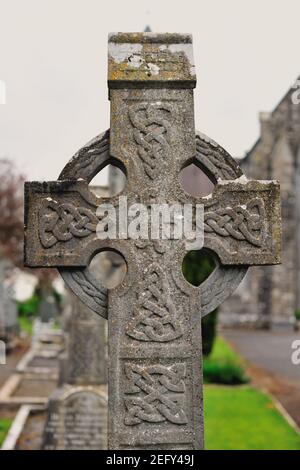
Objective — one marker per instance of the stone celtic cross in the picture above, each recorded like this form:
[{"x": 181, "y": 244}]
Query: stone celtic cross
[{"x": 154, "y": 315}]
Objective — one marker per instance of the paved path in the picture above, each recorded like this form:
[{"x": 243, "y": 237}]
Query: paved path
[
  {"x": 270, "y": 350},
  {"x": 269, "y": 358},
  {"x": 12, "y": 360}
]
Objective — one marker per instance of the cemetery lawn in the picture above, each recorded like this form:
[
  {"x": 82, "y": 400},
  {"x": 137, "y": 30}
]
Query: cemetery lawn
[
  {"x": 4, "y": 427},
  {"x": 223, "y": 351},
  {"x": 25, "y": 324},
  {"x": 224, "y": 365},
  {"x": 243, "y": 418}
]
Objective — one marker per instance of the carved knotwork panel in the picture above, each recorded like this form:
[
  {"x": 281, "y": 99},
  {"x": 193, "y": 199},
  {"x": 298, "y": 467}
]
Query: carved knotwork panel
[
  {"x": 154, "y": 317},
  {"x": 151, "y": 124},
  {"x": 62, "y": 222},
  {"x": 155, "y": 394},
  {"x": 239, "y": 222}
]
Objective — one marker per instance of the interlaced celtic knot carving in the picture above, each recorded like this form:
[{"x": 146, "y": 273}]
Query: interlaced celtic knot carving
[
  {"x": 157, "y": 394},
  {"x": 61, "y": 222},
  {"x": 241, "y": 222},
  {"x": 151, "y": 132},
  {"x": 157, "y": 245},
  {"x": 154, "y": 316},
  {"x": 98, "y": 295}
]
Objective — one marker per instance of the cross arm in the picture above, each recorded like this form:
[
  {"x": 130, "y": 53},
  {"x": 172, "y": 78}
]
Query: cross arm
[
  {"x": 242, "y": 222},
  {"x": 60, "y": 224}
]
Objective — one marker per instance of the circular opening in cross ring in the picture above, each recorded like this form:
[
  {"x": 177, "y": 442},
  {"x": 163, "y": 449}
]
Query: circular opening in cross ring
[
  {"x": 109, "y": 268},
  {"x": 195, "y": 180},
  {"x": 198, "y": 265},
  {"x": 110, "y": 181}
]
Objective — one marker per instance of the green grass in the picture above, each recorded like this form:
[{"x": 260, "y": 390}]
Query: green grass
[
  {"x": 4, "y": 427},
  {"x": 243, "y": 418},
  {"x": 25, "y": 324},
  {"x": 223, "y": 351},
  {"x": 224, "y": 365}
]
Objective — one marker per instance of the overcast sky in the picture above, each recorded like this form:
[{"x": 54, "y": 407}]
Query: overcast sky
[{"x": 53, "y": 60}]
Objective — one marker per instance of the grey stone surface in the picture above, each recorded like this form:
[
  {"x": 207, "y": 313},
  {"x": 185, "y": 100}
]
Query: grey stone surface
[
  {"x": 77, "y": 412},
  {"x": 87, "y": 347},
  {"x": 8, "y": 308},
  {"x": 48, "y": 308},
  {"x": 154, "y": 315},
  {"x": 271, "y": 296},
  {"x": 77, "y": 419}
]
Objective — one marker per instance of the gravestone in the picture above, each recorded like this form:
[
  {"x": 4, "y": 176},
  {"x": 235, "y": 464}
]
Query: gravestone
[
  {"x": 48, "y": 310},
  {"x": 77, "y": 412},
  {"x": 8, "y": 309},
  {"x": 77, "y": 420},
  {"x": 154, "y": 315}
]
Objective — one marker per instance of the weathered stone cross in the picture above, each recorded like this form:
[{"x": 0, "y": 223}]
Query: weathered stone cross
[{"x": 154, "y": 315}]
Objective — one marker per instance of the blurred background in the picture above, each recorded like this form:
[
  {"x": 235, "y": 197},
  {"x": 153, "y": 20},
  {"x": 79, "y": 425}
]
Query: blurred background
[{"x": 53, "y": 100}]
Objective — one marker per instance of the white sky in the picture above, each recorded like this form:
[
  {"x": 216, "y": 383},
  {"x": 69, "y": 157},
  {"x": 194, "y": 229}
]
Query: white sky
[{"x": 53, "y": 60}]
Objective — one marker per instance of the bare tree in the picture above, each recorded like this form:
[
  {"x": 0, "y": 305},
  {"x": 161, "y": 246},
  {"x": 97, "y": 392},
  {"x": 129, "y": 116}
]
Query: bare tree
[
  {"x": 12, "y": 220},
  {"x": 11, "y": 212}
]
